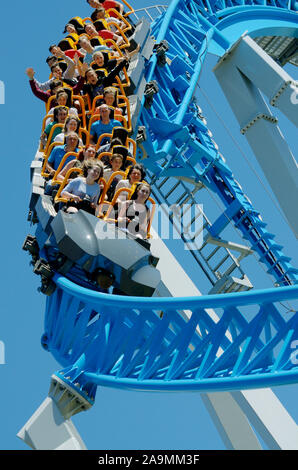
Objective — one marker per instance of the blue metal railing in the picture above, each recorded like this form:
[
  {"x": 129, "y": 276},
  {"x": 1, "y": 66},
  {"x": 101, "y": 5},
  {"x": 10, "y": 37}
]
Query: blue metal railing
[{"x": 215, "y": 342}]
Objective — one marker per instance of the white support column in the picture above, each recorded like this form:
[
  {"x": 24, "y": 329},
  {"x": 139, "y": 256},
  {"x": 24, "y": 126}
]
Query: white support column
[
  {"x": 47, "y": 429},
  {"x": 238, "y": 79},
  {"x": 236, "y": 415},
  {"x": 230, "y": 421},
  {"x": 279, "y": 87},
  {"x": 269, "y": 418}
]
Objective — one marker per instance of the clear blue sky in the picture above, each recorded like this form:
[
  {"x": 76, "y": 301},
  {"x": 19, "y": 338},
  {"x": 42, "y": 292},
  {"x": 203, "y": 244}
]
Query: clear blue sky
[{"x": 119, "y": 419}]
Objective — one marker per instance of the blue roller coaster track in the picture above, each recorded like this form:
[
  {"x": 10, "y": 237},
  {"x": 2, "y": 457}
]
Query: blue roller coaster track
[{"x": 174, "y": 344}]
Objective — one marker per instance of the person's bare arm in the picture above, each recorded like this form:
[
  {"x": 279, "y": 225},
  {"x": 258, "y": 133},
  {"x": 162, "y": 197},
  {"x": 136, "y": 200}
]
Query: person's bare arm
[
  {"x": 50, "y": 169},
  {"x": 122, "y": 217},
  {"x": 92, "y": 140},
  {"x": 43, "y": 139},
  {"x": 68, "y": 195},
  {"x": 118, "y": 39},
  {"x": 61, "y": 175},
  {"x": 144, "y": 225}
]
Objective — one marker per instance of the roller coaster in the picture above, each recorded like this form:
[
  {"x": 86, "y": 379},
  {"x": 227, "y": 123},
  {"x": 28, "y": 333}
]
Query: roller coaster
[{"x": 116, "y": 315}]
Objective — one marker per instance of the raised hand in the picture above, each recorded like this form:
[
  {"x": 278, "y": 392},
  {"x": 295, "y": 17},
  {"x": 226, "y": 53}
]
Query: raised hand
[
  {"x": 84, "y": 68},
  {"x": 30, "y": 73}
]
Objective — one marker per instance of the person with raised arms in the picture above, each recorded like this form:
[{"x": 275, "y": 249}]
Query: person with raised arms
[{"x": 97, "y": 82}]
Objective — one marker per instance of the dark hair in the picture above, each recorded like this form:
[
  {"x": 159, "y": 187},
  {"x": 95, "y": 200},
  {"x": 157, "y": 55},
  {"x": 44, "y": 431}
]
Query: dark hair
[
  {"x": 137, "y": 188},
  {"x": 51, "y": 57},
  {"x": 56, "y": 111},
  {"x": 94, "y": 15},
  {"x": 69, "y": 24},
  {"x": 55, "y": 65},
  {"x": 51, "y": 47},
  {"x": 137, "y": 166},
  {"x": 55, "y": 83},
  {"x": 68, "y": 92}
]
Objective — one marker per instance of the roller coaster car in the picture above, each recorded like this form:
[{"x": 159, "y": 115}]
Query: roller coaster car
[
  {"x": 92, "y": 252},
  {"x": 94, "y": 244}
]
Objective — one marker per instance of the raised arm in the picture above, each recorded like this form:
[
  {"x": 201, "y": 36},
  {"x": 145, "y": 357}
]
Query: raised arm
[
  {"x": 45, "y": 86},
  {"x": 111, "y": 77},
  {"x": 42, "y": 95},
  {"x": 79, "y": 86}
]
